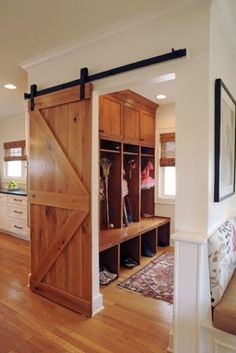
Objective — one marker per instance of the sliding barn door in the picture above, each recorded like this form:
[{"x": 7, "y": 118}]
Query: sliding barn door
[{"x": 59, "y": 196}]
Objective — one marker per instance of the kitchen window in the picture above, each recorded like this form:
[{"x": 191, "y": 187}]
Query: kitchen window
[{"x": 14, "y": 160}]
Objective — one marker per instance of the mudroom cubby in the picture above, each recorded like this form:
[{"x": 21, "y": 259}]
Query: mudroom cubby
[
  {"x": 150, "y": 239},
  {"x": 163, "y": 235},
  {"x": 127, "y": 180},
  {"x": 110, "y": 258},
  {"x": 110, "y": 177},
  {"x": 130, "y": 249},
  {"x": 131, "y": 174},
  {"x": 147, "y": 181}
]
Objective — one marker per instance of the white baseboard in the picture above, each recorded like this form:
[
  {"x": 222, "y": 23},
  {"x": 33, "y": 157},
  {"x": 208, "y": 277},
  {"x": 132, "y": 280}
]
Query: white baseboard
[
  {"x": 97, "y": 304},
  {"x": 170, "y": 348},
  {"x": 218, "y": 341},
  {"x": 223, "y": 347}
]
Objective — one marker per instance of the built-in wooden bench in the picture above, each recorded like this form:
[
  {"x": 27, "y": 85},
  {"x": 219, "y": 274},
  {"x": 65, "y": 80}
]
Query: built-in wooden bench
[{"x": 127, "y": 241}]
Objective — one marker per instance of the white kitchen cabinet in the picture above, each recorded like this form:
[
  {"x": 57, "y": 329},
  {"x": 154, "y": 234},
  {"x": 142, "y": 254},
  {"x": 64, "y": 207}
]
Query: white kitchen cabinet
[
  {"x": 13, "y": 215},
  {"x": 17, "y": 200},
  {"x": 4, "y": 224}
]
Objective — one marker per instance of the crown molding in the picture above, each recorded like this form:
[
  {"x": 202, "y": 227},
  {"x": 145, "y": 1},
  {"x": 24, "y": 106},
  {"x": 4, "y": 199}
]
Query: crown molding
[
  {"x": 224, "y": 29},
  {"x": 166, "y": 8}
]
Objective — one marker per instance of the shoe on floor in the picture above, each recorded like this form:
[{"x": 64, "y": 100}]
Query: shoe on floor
[
  {"x": 129, "y": 263},
  {"x": 132, "y": 261},
  {"x": 103, "y": 279},
  {"x": 109, "y": 274},
  {"x": 146, "y": 251}
]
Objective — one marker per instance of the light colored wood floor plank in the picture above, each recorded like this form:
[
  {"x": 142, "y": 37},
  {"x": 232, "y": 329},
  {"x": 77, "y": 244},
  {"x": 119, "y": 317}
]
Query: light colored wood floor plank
[{"x": 130, "y": 323}]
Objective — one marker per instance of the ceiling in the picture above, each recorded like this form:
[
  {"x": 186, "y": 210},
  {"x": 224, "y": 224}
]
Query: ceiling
[
  {"x": 31, "y": 27},
  {"x": 164, "y": 84}
]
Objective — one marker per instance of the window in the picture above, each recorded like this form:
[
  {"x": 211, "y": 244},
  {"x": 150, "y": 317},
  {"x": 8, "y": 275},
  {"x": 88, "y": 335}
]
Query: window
[
  {"x": 167, "y": 170},
  {"x": 169, "y": 181},
  {"x": 14, "y": 160},
  {"x": 14, "y": 169}
]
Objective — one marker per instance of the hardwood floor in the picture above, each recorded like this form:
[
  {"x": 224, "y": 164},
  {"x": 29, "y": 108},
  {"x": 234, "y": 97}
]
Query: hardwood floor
[{"x": 29, "y": 323}]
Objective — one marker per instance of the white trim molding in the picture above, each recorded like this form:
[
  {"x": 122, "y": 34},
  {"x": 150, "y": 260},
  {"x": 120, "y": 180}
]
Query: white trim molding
[
  {"x": 217, "y": 341},
  {"x": 227, "y": 26},
  {"x": 97, "y": 304},
  {"x": 191, "y": 290},
  {"x": 162, "y": 9}
]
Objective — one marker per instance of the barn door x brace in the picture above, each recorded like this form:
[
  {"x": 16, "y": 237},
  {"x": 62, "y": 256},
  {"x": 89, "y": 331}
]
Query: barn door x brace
[{"x": 85, "y": 77}]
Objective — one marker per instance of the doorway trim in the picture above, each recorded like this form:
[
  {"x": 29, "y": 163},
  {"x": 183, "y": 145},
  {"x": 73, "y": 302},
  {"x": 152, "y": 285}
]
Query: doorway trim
[{"x": 102, "y": 87}]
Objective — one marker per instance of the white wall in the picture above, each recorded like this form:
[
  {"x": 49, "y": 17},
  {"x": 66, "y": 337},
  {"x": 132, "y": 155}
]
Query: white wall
[
  {"x": 165, "y": 117},
  {"x": 186, "y": 28},
  {"x": 165, "y": 122},
  {"x": 222, "y": 65},
  {"x": 192, "y": 306},
  {"x": 179, "y": 29},
  {"x": 11, "y": 129}
]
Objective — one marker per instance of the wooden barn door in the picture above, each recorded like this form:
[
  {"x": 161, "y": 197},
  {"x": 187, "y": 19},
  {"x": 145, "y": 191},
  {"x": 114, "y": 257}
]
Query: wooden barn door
[{"x": 59, "y": 196}]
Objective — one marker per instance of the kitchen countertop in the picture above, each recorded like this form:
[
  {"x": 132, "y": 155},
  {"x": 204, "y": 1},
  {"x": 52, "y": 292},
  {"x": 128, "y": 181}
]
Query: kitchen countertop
[{"x": 19, "y": 192}]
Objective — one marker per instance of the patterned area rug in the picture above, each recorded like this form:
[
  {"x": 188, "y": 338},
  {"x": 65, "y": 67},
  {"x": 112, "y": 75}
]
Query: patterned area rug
[{"x": 155, "y": 280}]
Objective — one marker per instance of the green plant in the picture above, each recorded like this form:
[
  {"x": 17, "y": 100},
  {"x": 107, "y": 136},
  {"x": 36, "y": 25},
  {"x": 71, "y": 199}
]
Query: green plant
[{"x": 12, "y": 185}]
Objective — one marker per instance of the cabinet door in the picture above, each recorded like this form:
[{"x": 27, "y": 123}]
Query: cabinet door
[
  {"x": 17, "y": 200},
  {"x": 3, "y": 216},
  {"x": 147, "y": 128},
  {"x": 19, "y": 227},
  {"x": 17, "y": 212},
  {"x": 111, "y": 117},
  {"x": 131, "y": 123}
]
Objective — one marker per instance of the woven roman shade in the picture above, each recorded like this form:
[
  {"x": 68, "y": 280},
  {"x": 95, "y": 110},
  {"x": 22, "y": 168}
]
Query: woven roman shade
[
  {"x": 167, "y": 141},
  {"x": 14, "y": 151}
]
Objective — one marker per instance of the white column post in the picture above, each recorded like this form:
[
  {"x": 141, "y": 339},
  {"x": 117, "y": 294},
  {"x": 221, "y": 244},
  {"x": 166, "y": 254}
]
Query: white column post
[{"x": 191, "y": 290}]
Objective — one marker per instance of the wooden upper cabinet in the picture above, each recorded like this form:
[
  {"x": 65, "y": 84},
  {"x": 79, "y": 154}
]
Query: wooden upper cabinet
[
  {"x": 131, "y": 123},
  {"x": 111, "y": 117},
  {"x": 147, "y": 128},
  {"x": 127, "y": 116}
]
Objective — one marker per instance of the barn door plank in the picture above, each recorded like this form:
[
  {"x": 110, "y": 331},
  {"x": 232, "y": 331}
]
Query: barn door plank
[
  {"x": 56, "y": 152},
  {"x": 61, "y": 240},
  {"x": 61, "y": 200},
  {"x": 69, "y": 300}
]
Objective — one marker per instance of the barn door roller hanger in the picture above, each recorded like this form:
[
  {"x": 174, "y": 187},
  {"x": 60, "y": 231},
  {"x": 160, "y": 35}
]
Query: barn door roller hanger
[{"x": 85, "y": 77}]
